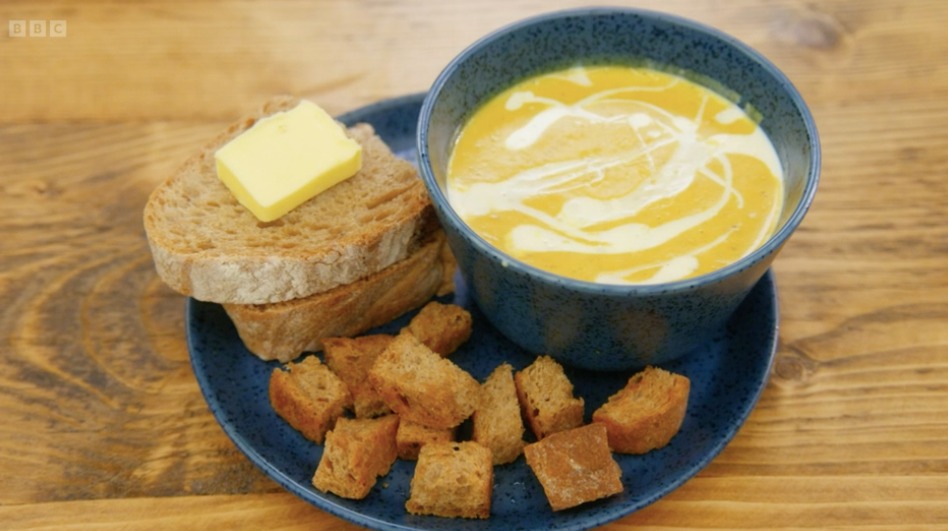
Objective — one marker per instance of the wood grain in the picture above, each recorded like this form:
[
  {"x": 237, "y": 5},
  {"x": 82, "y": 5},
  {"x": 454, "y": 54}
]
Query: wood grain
[{"x": 102, "y": 424}]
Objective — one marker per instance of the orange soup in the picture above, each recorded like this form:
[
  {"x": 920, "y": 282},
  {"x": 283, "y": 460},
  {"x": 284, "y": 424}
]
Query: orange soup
[{"x": 616, "y": 175}]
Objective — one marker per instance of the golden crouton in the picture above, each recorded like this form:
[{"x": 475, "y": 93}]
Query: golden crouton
[
  {"x": 421, "y": 386},
  {"x": 356, "y": 453},
  {"x": 351, "y": 359},
  {"x": 575, "y": 466},
  {"x": 309, "y": 396},
  {"x": 441, "y": 327},
  {"x": 546, "y": 398},
  {"x": 496, "y": 421},
  {"x": 454, "y": 480},
  {"x": 647, "y": 412},
  {"x": 411, "y": 436}
]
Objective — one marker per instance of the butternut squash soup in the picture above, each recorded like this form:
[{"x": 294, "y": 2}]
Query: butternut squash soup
[{"x": 617, "y": 175}]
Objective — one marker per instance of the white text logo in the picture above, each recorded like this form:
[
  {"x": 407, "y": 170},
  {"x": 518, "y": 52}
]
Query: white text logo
[{"x": 37, "y": 28}]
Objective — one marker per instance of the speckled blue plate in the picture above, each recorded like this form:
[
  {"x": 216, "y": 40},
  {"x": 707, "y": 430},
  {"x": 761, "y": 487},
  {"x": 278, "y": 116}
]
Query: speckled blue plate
[{"x": 727, "y": 376}]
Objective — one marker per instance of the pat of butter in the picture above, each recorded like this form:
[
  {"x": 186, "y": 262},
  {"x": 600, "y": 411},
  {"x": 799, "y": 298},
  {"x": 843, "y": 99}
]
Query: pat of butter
[{"x": 287, "y": 158}]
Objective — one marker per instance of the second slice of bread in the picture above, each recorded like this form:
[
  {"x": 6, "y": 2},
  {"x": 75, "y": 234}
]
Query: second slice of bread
[{"x": 284, "y": 330}]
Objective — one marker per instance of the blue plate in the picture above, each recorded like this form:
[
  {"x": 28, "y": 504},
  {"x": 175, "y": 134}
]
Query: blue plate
[{"x": 727, "y": 376}]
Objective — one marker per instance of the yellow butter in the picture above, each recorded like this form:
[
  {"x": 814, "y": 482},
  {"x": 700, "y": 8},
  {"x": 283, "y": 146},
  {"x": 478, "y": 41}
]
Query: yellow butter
[{"x": 287, "y": 158}]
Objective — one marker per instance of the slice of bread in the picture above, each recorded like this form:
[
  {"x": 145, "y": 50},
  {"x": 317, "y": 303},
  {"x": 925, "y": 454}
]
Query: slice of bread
[
  {"x": 646, "y": 413},
  {"x": 356, "y": 453},
  {"x": 206, "y": 245},
  {"x": 575, "y": 466},
  {"x": 546, "y": 398},
  {"x": 309, "y": 397},
  {"x": 421, "y": 386},
  {"x": 497, "y": 423},
  {"x": 442, "y": 327},
  {"x": 351, "y": 358},
  {"x": 284, "y": 330},
  {"x": 454, "y": 480}
]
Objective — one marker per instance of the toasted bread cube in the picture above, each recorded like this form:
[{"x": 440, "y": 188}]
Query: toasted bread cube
[
  {"x": 421, "y": 386},
  {"x": 646, "y": 413},
  {"x": 497, "y": 423},
  {"x": 454, "y": 480},
  {"x": 441, "y": 327},
  {"x": 575, "y": 466},
  {"x": 351, "y": 359},
  {"x": 546, "y": 398},
  {"x": 309, "y": 396},
  {"x": 356, "y": 453},
  {"x": 412, "y": 436}
]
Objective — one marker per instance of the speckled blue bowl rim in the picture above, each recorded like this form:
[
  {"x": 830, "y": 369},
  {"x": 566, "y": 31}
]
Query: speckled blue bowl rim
[
  {"x": 728, "y": 375},
  {"x": 775, "y": 241}
]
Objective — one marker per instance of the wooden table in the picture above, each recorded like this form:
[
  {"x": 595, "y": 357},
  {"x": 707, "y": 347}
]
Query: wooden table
[{"x": 102, "y": 424}]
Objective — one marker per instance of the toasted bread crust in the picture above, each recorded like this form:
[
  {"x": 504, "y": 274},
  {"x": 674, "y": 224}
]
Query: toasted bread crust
[
  {"x": 284, "y": 330},
  {"x": 206, "y": 245}
]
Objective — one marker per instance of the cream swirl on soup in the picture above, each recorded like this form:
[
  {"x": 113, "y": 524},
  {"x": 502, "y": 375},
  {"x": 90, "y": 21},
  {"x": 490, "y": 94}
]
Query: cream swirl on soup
[{"x": 615, "y": 174}]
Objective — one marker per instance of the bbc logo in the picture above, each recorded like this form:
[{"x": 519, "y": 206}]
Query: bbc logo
[{"x": 37, "y": 28}]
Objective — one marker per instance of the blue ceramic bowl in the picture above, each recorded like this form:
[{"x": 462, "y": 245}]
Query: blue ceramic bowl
[{"x": 600, "y": 326}]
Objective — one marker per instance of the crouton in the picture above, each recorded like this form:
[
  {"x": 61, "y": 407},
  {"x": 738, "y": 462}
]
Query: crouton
[
  {"x": 575, "y": 466},
  {"x": 454, "y": 480},
  {"x": 351, "y": 359},
  {"x": 356, "y": 453},
  {"x": 421, "y": 386},
  {"x": 441, "y": 327},
  {"x": 646, "y": 413},
  {"x": 546, "y": 398},
  {"x": 497, "y": 423},
  {"x": 309, "y": 396},
  {"x": 411, "y": 436}
]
